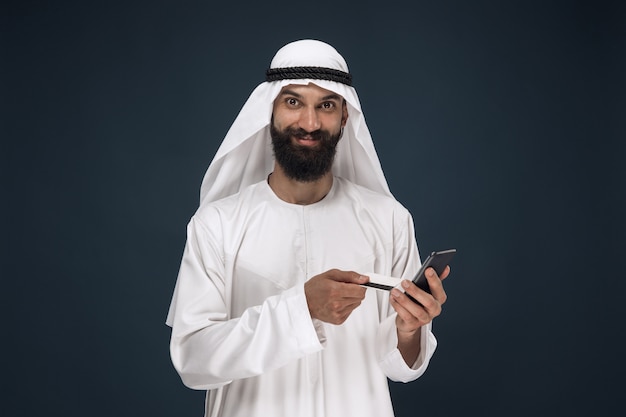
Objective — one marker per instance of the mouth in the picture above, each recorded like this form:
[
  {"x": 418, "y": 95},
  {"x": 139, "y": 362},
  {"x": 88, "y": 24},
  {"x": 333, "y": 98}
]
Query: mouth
[{"x": 306, "y": 140}]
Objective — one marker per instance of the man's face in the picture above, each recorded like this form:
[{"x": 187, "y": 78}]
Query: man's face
[{"x": 305, "y": 129}]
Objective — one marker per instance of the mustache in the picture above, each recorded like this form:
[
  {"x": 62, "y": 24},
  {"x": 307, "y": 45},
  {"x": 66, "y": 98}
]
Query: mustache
[{"x": 300, "y": 133}]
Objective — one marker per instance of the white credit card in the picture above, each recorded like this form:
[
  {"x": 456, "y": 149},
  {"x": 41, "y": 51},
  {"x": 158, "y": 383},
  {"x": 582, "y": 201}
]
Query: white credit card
[{"x": 383, "y": 283}]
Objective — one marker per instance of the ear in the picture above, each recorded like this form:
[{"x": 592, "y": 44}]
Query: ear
[{"x": 344, "y": 114}]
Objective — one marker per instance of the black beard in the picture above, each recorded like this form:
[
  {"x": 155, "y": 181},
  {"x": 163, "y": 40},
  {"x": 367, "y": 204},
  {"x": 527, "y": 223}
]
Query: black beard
[{"x": 302, "y": 163}]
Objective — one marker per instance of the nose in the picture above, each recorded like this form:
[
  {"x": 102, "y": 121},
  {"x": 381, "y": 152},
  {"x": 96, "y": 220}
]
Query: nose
[{"x": 309, "y": 120}]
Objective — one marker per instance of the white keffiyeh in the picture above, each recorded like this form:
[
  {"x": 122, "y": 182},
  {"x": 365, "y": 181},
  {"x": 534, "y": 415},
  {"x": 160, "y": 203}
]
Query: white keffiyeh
[{"x": 245, "y": 156}]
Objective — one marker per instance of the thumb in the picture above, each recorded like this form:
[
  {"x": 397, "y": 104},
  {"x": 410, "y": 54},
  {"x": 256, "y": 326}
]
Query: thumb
[{"x": 352, "y": 277}]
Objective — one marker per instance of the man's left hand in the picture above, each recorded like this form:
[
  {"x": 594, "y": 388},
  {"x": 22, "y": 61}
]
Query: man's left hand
[{"x": 412, "y": 316}]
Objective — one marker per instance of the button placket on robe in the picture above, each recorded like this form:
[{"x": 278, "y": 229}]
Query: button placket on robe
[{"x": 313, "y": 361}]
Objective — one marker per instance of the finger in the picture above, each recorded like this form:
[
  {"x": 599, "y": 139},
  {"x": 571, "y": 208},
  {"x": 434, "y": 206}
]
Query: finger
[
  {"x": 445, "y": 273},
  {"x": 351, "y": 291},
  {"x": 414, "y": 291},
  {"x": 411, "y": 306},
  {"x": 436, "y": 285},
  {"x": 341, "y": 314},
  {"x": 348, "y": 308},
  {"x": 348, "y": 276},
  {"x": 339, "y": 290},
  {"x": 427, "y": 302},
  {"x": 408, "y": 310}
]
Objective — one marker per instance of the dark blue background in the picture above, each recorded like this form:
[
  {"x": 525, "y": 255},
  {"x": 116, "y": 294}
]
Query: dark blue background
[{"x": 500, "y": 125}]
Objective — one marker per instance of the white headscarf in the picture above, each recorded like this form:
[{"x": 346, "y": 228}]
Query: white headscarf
[{"x": 245, "y": 156}]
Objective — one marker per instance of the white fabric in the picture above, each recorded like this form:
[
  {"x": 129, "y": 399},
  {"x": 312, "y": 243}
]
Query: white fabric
[
  {"x": 245, "y": 156},
  {"x": 240, "y": 322}
]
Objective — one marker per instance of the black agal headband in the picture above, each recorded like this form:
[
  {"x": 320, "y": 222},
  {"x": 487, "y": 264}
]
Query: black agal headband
[{"x": 316, "y": 73}]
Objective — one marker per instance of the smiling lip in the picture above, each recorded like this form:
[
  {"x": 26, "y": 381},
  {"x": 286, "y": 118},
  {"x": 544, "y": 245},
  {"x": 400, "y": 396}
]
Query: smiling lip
[{"x": 306, "y": 141}]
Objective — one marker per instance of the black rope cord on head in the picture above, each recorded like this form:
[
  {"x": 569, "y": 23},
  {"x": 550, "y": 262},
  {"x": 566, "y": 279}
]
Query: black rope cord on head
[{"x": 316, "y": 73}]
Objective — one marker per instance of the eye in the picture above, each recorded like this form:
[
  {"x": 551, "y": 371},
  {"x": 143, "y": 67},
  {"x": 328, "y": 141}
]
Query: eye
[
  {"x": 291, "y": 101},
  {"x": 328, "y": 105}
]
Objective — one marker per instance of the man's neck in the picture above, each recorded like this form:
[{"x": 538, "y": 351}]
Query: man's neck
[{"x": 296, "y": 192}]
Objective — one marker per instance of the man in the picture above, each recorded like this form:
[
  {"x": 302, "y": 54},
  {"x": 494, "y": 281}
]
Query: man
[{"x": 268, "y": 314}]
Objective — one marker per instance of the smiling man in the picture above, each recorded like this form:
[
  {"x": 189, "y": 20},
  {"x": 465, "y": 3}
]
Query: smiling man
[
  {"x": 268, "y": 314},
  {"x": 306, "y": 127}
]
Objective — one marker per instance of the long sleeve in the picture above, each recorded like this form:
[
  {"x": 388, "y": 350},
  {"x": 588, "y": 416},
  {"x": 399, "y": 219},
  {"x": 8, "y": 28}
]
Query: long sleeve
[
  {"x": 390, "y": 358},
  {"x": 241, "y": 327},
  {"x": 208, "y": 348},
  {"x": 406, "y": 263}
]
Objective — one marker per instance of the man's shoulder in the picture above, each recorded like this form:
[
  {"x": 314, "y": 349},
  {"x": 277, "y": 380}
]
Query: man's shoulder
[
  {"x": 357, "y": 191},
  {"x": 232, "y": 203},
  {"x": 369, "y": 199}
]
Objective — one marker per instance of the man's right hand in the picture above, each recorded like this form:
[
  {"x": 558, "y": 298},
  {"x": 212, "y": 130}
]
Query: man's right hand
[{"x": 334, "y": 294}]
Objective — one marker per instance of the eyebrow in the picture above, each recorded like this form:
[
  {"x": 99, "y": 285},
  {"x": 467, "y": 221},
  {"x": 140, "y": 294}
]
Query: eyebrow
[{"x": 293, "y": 93}]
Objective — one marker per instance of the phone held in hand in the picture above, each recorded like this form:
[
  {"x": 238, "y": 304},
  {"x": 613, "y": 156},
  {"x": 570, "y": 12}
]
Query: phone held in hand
[{"x": 437, "y": 260}]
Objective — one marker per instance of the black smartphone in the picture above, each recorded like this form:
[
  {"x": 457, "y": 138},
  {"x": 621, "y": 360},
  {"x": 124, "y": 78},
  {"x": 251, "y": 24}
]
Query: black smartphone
[{"x": 436, "y": 260}]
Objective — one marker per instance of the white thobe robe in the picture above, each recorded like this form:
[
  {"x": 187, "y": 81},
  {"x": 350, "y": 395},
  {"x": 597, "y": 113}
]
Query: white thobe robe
[{"x": 241, "y": 328}]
